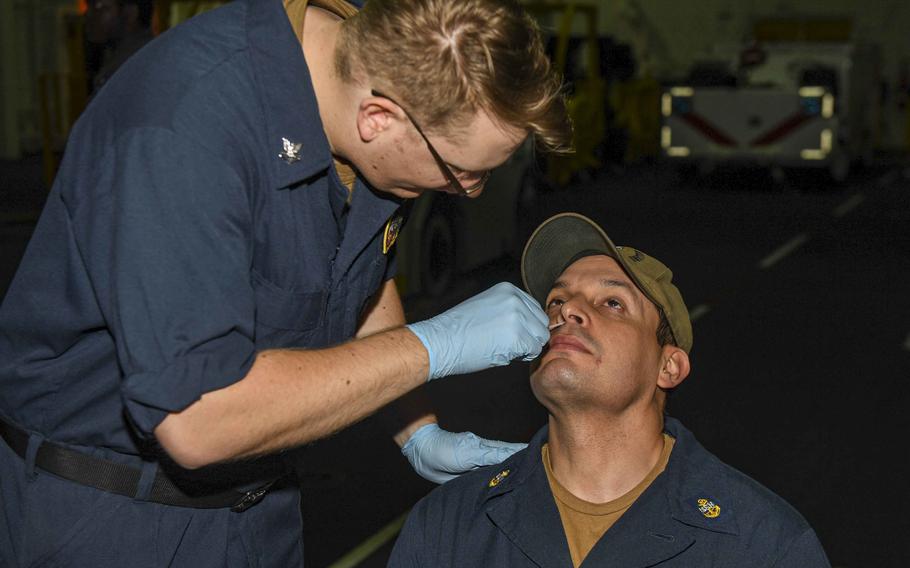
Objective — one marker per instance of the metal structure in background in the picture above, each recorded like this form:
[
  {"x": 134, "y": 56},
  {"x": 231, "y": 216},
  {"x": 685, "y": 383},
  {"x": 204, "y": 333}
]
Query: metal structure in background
[
  {"x": 41, "y": 77},
  {"x": 587, "y": 97},
  {"x": 62, "y": 94},
  {"x": 172, "y": 12},
  {"x": 10, "y": 58}
]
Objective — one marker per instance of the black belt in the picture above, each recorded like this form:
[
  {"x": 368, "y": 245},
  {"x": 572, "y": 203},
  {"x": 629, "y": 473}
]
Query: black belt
[{"x": 122, "y": 479}]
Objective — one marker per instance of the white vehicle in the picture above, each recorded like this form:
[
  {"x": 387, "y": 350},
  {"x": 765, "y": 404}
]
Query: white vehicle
[{"x": 810, "y": 105}]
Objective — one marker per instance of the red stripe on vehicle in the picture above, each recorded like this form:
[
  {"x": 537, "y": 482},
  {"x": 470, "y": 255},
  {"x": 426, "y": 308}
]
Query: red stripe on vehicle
[
  {"x": 708, "y": 129},
  {"x": 786, "y": 127}
]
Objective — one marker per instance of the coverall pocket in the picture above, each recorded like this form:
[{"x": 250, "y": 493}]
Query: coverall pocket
[{"x": 279, "y": 309}]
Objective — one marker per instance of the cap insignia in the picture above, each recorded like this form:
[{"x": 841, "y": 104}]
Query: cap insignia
[
  {"x": 499, "y": 477},
  {"x": 708, "y": 508},
  {"x": 637, "y": 257}
]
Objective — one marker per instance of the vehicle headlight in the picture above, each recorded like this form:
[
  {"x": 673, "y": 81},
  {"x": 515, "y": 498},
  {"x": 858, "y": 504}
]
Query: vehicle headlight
[
  {"x": 682, "y": 105},
  {"x": 677, "y": 100},
  {"x": 816, "y": 101},
  {"x": 811, "y": 105}
]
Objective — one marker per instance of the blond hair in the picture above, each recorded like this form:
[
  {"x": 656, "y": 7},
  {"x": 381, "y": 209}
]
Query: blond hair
[{"x": 447, "y": 59}]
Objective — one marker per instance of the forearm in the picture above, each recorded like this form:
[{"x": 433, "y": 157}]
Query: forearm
[
  {"x": 413, "y": 410},
  {"x": 291, "y": 397},
  {"x": 408, "y": 413}
]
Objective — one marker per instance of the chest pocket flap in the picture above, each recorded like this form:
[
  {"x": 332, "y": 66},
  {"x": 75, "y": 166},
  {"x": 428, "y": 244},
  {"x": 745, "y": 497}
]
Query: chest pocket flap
[{"x": 281, "y": 309}]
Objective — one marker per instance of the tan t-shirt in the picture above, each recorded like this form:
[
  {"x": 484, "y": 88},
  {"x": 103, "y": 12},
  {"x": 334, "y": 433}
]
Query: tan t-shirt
[
  {"x": 296, "y": 11},
  {"x": 585, "y": 522}
]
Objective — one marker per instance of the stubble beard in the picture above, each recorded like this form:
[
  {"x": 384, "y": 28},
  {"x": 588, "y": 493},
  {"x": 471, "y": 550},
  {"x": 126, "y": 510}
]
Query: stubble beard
[{"x": 559, "y": 383}]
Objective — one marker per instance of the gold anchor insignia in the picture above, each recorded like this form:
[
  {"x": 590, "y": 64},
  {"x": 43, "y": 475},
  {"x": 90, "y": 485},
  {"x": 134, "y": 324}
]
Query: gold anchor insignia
[
  {"x": 390, "y": 235},
  {"x": 499, "y": 477},
  {"x": 291, "y": 151},
  {"x": 708, "y": 508}
]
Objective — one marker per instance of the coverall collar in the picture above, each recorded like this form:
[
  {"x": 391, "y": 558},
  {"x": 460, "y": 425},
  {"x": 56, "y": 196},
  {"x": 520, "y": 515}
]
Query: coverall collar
[
  {"x": 661, "y": 523},
  {"x": 291, "y": 111}
]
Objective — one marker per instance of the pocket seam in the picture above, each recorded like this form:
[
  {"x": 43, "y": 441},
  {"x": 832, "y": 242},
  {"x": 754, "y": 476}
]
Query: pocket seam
[{"x": 280, "y": 309}]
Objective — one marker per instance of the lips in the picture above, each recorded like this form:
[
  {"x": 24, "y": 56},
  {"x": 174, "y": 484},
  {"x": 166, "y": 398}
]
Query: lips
[{"x": 564, "y": 342}]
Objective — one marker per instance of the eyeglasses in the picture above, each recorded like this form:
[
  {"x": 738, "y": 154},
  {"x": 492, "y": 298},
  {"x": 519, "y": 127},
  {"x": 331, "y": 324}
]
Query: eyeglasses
[{"x": 443, "y": 166}]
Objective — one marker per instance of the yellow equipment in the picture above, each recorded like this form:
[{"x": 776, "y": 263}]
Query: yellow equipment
[{"x": 586, "y": 105}]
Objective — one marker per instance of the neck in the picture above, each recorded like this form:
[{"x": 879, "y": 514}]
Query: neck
[
  {"x": 598, "y": 458},
  {"x": 320, "y": 35}
]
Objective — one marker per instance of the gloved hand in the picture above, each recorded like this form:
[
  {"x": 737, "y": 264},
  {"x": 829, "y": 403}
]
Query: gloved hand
[
  {"x": 487, "y": 330},
  {"x": 440, "y": 456}
]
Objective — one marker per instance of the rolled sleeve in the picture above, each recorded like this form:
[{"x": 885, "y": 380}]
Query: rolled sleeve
[
  {"x": 178, "y": 296},
  {"x": 151, "y": 395}
]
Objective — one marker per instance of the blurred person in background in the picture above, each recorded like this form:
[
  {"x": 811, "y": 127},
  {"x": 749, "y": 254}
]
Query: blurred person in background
[
  {"x": 611, "y": 480},
  {"x": 210, "y": 282}
]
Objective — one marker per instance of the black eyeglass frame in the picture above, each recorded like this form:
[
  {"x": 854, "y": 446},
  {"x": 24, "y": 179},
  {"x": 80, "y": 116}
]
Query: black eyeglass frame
[{"x": 443, "y": 166}]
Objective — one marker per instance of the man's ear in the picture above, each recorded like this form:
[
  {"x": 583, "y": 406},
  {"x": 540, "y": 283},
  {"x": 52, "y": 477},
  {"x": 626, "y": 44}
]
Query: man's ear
[
  {"x": 376, "y": 115},
  {"x": 674, "y": 367}
]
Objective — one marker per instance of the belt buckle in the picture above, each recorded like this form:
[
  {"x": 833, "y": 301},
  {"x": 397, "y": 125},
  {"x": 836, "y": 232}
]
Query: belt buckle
[{"x": 251, "y": 497}]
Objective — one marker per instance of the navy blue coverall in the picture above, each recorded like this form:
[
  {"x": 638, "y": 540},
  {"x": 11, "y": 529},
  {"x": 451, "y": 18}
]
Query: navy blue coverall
[
  {"x": 505, "y": 515},
  {"x": 179, "y": 239}
]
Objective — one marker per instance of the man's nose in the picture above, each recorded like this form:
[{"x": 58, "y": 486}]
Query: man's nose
[{"x": 573, "y": 310}]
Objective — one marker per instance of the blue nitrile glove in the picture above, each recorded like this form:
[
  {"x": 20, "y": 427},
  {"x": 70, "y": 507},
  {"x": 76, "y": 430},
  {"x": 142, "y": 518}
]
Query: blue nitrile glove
[
  {"x": 487, "y": 330},
  {"x": 440, "y": 456}
]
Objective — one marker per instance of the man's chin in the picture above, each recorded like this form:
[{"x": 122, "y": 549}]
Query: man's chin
[
  {"x": 554, "y": 371},
  {"x": 404, "y": 192},
  {"x": 556, "y": 382}
]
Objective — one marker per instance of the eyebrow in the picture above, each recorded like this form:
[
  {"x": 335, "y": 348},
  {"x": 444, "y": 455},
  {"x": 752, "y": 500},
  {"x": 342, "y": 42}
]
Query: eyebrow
[
  {"x": 604, "y": 282},
  {"x": 607, "y": 283}
]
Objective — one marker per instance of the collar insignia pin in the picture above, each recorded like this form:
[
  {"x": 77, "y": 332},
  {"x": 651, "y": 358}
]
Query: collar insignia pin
[
  {"x": 708, "y": 508},
  {"x": 291, "y": 152},
  {"x": 499, "y": 477},
  {"x": 392, "y": 228}
]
